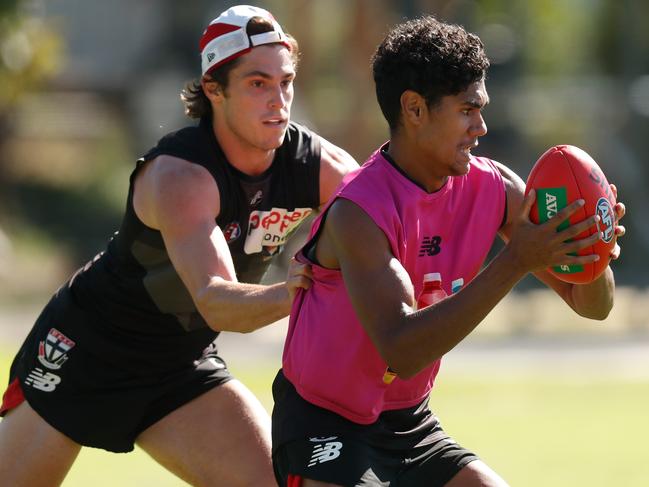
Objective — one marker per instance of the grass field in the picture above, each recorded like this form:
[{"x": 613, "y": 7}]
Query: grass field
[{"x": 535, "y": 430}]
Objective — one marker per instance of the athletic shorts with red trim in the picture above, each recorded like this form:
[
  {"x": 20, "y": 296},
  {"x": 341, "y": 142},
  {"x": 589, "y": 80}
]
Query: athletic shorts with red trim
[
  {"x": 405, "y": 448},
  {"x": 90, "y": 398}
]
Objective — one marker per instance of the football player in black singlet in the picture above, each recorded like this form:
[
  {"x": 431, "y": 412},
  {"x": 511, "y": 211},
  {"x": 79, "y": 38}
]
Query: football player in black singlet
[{"x": 124, "y": 351}]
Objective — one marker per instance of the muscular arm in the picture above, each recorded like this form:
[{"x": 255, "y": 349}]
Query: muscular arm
[
  {"x": 409, "y": 340},
  {"x": 181, "y": 200},
  {"x": 593, "y": 300}
]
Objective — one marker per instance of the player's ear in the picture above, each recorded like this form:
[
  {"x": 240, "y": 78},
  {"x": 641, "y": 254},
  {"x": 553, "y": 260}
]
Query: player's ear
[
  {"x": 212, "y": 89},
  {"x": 412, "y": 107}
]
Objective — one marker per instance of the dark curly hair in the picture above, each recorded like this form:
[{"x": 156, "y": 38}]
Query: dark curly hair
[
  {"x": 197, "y": 105},
  {"x": 432, "y": 58}
]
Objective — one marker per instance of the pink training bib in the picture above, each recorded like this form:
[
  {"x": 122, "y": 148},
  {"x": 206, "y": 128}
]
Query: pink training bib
[{"x": 328, "y": 356}]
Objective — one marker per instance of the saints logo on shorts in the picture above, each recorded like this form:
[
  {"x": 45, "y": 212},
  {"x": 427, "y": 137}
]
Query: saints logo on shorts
[{"x": 52, "y": 351}]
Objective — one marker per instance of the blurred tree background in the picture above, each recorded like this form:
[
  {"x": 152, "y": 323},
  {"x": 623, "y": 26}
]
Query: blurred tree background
[{"x": 87, "y": 86}]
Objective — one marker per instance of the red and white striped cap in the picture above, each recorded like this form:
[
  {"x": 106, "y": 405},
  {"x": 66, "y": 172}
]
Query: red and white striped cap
[{"x": 226, "y": 39}]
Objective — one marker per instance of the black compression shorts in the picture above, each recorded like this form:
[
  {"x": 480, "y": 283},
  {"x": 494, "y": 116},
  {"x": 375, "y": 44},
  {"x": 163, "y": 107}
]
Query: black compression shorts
[
  {"x": 404, "y": 448},
  {"x": 95, "y": 401}
]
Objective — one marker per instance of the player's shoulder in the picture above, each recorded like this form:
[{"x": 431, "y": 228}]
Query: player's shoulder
[
  {"x": 503, "y": 172},
  {"x": 170, "y": 174},
  {"x": 190, "y": 143},
  {"x": 486, "y": 165},
  {"x": 169, "y": 188},
  {"x": 376, "y": 172},
  {"x": 184, "y": 134}
]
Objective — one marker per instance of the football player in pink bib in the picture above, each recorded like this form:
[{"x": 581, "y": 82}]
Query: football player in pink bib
[{"x": 351, "y": 400}]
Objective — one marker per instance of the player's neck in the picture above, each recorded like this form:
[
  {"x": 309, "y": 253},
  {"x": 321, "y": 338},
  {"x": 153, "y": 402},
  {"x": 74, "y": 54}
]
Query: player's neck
[
  {"x": 411, "y": 161},
  {"x": 245, "y": 157}
]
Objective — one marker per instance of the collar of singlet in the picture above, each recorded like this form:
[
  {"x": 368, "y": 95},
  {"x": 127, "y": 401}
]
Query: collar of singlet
[{"x": 393, "y": 163}]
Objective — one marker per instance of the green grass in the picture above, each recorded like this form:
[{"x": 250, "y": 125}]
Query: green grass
[
  {"x": 536, "y": 431},
  {"x": 558, "y": 431}
]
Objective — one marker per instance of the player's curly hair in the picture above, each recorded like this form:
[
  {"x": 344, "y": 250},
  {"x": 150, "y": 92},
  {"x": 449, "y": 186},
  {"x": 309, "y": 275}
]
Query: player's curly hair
[{"x": 430, "y": 57}]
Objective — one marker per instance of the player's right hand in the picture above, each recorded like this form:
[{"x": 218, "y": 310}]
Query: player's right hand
[
  {"x": 299, "y": 276},
  {"x": 537, "y": 247}
]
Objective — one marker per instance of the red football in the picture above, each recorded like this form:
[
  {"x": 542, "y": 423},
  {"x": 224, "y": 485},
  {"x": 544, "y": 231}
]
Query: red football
[{"x": 562, "y": 175}]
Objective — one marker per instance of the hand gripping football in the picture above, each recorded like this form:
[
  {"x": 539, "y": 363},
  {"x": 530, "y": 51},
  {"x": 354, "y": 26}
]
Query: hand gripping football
[{"x": 562, "y": 175}]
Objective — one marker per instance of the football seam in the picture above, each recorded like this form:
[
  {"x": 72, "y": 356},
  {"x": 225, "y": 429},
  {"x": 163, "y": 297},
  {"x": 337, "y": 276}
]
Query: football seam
[{"x": 583, "y": 211}]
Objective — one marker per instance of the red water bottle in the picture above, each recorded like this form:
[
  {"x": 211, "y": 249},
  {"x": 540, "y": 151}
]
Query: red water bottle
[{"x": 432, "y": 291}]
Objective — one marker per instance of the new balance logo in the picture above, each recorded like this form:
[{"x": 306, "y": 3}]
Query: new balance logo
[
  {"x": 430, "y": 246},
  {"x": 325, "y": 452},
  {"x": 43, "y": 381},
  {"x": 320, "y": 439}
]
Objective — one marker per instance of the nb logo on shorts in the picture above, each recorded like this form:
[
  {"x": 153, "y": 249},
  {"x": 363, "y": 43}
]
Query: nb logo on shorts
[
  {"x": 325, "y": 452},
  {"x": 42, "y": 381}
]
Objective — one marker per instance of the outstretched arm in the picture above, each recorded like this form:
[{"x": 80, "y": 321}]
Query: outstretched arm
[
  {"x": 181, "y": 200},
  {"x": 409, "y": 340}
]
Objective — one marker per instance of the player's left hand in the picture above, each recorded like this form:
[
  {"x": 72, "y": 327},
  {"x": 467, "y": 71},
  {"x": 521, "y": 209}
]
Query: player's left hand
[
  {"x": 620, "y": 211},
  {"x": 299, "y": 276}
]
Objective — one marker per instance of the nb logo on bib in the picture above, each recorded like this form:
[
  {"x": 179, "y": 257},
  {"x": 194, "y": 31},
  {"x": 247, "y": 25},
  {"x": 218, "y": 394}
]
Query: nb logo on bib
[
  {"x": 325, "y": 452},
  {"x": 430, "y": 246}
]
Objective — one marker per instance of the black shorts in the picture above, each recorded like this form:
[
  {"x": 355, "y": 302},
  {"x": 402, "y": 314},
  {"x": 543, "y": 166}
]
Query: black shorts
[
  {"x": 404, "y": 448},
  {"x": 92, "y": 398}
]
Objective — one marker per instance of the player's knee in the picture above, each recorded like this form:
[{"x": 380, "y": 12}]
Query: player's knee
[
  {"x": 477, "y": 474},
  {"x": 247, "y": 477},
  {"x": 315, "y": 483}
]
